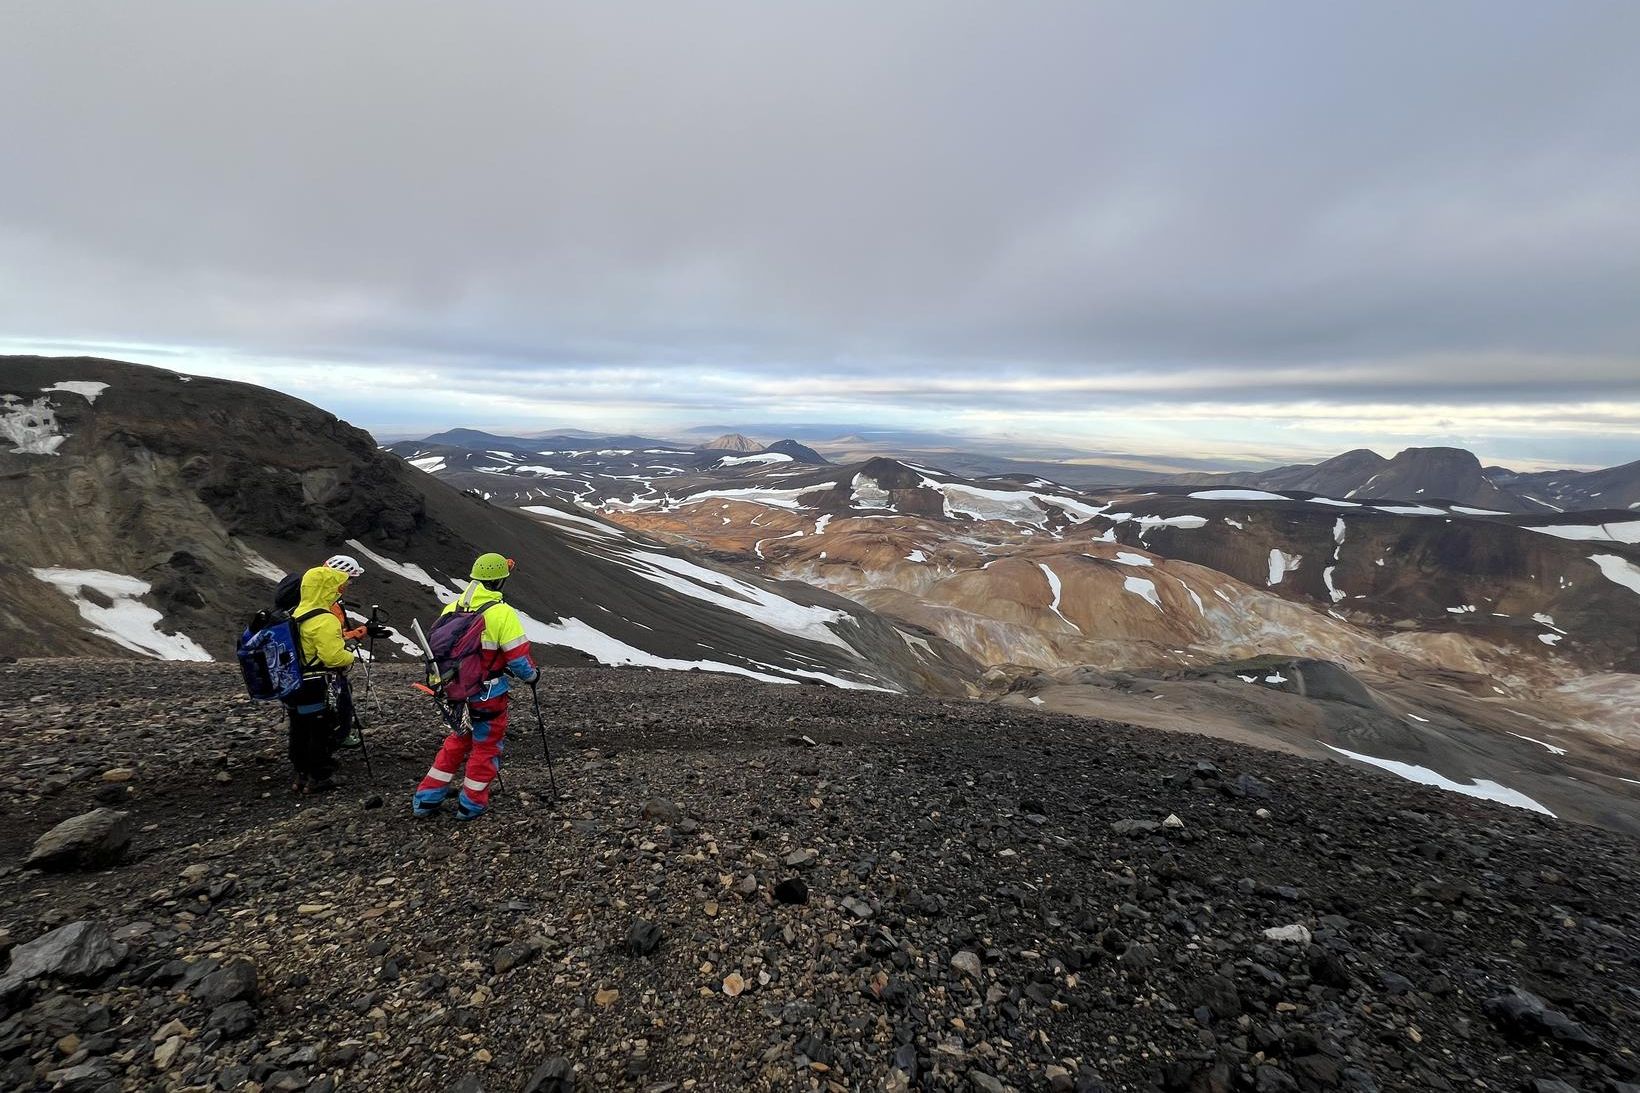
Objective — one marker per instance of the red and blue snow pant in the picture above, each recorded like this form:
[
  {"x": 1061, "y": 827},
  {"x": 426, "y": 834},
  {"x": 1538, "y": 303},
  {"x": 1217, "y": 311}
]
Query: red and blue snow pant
[{"x": 480, "y": 752}]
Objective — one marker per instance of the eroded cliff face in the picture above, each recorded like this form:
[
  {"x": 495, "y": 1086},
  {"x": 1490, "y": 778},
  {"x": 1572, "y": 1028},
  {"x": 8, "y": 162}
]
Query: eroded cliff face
[{"x": 187, "y": 484}]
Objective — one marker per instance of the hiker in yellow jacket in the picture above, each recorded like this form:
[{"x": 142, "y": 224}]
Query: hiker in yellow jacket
[{"x": 315, "y": 723}]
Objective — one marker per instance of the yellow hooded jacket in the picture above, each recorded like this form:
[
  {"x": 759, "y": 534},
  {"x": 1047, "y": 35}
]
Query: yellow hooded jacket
[{"x": 321, "y": 636}]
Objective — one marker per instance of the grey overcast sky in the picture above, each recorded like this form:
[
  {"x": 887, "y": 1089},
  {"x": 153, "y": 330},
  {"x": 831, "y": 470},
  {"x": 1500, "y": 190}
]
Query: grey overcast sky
[{"x": 1220, "y": 228}]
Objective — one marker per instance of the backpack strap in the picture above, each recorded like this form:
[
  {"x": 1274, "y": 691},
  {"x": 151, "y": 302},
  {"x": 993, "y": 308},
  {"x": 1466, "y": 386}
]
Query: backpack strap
[{"x": 297, "y": 623}]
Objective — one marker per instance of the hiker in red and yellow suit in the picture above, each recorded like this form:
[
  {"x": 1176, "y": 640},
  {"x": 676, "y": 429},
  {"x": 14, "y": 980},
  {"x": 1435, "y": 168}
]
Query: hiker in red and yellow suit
[
  {"x": 313, "y": 721},
  {"x": 506, "y": 652}
]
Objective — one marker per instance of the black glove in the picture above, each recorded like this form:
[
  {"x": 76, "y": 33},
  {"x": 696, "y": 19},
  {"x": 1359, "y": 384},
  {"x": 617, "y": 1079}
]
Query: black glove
[{"x": 379, "y": 630}]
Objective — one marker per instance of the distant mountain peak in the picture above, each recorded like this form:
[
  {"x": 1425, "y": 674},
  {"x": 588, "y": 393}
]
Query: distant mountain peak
[
  {"x": 802, "y": 453},
  {"x": 732, "y": 442}
]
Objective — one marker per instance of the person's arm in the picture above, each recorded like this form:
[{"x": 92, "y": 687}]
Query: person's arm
[
  {"x": 515, "y": 646},
  {"x": 324, "y": 636}
]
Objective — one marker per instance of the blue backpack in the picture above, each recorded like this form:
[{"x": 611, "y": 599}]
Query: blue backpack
[{"x": 270, "y": 654}]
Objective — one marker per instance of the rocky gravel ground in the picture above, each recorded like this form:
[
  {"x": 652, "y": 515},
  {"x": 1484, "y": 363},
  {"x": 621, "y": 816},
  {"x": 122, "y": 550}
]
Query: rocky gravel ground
[{"x": 777, "y": 888}]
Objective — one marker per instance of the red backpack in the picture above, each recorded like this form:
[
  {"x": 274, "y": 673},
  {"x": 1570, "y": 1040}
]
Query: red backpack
[{"x": 457, "y": 644}]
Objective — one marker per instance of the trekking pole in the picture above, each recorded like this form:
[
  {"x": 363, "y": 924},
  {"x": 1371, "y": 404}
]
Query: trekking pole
[
  {"x": 540, "y": 723},
  {"x": 358, "y": 726}
]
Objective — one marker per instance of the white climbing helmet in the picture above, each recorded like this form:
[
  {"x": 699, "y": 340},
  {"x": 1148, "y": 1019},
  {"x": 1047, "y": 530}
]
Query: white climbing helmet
[{"x": 344, "y": 564}]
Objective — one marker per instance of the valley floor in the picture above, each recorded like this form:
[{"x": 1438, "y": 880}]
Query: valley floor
[{"x": 996, "y": 898}]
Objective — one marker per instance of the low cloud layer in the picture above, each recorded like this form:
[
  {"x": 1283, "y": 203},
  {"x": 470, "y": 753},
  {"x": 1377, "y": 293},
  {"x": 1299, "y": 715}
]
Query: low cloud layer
[{"x": 1229, "y": 226}]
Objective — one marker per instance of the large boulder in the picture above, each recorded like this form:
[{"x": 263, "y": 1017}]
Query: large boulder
[
  {"x": 83, "y": 950},
  {"x": 92, "y": 840}
]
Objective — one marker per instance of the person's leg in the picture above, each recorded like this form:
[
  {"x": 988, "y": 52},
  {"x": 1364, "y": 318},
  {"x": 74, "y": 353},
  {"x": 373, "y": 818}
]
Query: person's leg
[
  {"x": 307, "y": 708},
  {"x": 489, "y": 740},
  {"x": 439, "y": 782},
  {"x": 298, "y": 748}
]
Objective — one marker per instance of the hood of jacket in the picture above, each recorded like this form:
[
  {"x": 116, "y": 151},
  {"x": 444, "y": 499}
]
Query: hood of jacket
[{"x": 321, "y": 587}]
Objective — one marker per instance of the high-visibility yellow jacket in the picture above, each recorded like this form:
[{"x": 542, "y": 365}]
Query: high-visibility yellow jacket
[
  {"x": 322, "y": 644},
  {"x": 506, "y": 646}
]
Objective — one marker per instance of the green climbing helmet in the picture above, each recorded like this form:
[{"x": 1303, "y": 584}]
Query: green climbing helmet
[{"x": 491, "y": 567}]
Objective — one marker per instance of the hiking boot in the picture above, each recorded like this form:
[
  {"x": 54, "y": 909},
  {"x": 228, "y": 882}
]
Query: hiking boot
[
  {"x": 321, "y": 785},
  {"x": 352, "y": 739},
  {"x": 425, "y": 812},
  {"x": 465, "y": 813},
  {"x": 299, "y": 784}
]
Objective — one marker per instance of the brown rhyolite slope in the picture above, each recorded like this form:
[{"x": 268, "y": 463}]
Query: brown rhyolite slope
[{"x": 986, "y": 901}]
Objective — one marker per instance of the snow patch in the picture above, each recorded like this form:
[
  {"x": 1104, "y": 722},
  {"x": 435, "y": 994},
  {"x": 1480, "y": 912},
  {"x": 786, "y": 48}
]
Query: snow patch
[
  {"x": 1147, "y": 522},
  {"x": 1486, "y": 790},
  {"x": 1411, "y": 510},
  {"x": 1143, "y": 588},
  {"x": 432, "y": 464},
  {"x": 575, "y": 518},
  {"x": 1058, "y": 594},
  {"x": 1013, "y": 506},
  {"x": 88, "y": 389},
  {"x": 780, "y": 499},
  {"x": 126, "y": 621},
  {"x": 408, "y": 570},
  {"x": 741, "y": 597},
  {"x": 869, "y": 494},
  {"x": 1620, "y": 570},
  {"x": 1542, "y": 744},
  {"x": 259, "y": 565},
  {"x": 761, "y": 457},
  {"x": 820, "y": 524},
  {"x": 30, "y": 427},
  {"x": 1127, "y": 558},
  {"x": 1332, "y": 589},
  {"x": 1623, "y": 531},
  {"x": 914, "y": 556},
  {"x": 1237, "y": 495},
  {"x": 1281, "y": 564}
]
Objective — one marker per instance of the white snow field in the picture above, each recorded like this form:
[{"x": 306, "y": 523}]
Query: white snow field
[
  {"x": 88, "y": 389},
  {"x": 1145, "y": 589},
  {"x": 1058, "y": 592},
  {"x": 1622, "y": 531},
  {"x": 1620, "y": 570},
  {"x": 259, "y": 565},
  {"x": 126, "y": 621},
  {"x": 1237, "y": 495},
  {"x": 30, "y": 427},
  {"x": 1281, "y": 564},
  {"x": 409, "y": 571},
  {"x": 761, "y": 457},
  {"x": 1482, "y": 788},
  {"x": 732, "y": 594}
]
